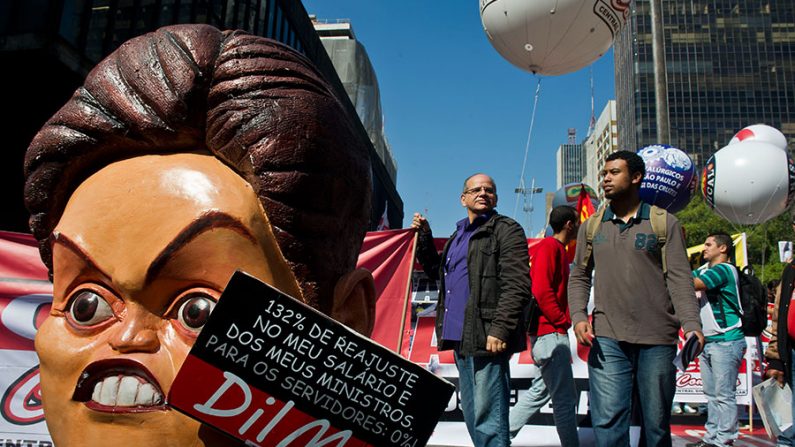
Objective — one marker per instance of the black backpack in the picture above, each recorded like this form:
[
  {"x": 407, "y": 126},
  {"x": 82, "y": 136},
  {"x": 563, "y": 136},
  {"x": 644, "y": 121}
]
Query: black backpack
[{"x": 753, "y": 299}]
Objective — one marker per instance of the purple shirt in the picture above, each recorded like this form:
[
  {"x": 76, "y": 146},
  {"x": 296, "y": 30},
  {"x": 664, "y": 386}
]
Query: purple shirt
[{"x": 456, "y": 279}]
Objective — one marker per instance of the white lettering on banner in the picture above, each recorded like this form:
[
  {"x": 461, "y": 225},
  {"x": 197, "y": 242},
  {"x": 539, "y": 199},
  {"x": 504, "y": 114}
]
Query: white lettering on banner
[
  {"x": 24, "y": 443},
  {"x": 320, "y": 334},
  {"x": 231, "y": 379},
  {"x": 687, "y": 379},
  {"x": 246, "y": 338},
  {"x": 227, "y": 350},
  {"x": 668, "y": 172},
  {"x": 322, "y": 425},
  {"x": 333, "y": 375}
]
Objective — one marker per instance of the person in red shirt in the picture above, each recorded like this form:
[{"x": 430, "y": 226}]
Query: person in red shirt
[{"x": 550, "y": 343}]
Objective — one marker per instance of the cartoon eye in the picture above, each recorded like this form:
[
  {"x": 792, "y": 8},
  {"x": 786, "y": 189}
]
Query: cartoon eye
[
  {"x": 88, "y": 308},
  {"x": 194, "y": 312}
]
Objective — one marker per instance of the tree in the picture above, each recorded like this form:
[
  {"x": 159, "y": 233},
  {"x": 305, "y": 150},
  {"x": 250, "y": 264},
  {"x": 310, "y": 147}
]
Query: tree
[{"x": 699, "y": 220}]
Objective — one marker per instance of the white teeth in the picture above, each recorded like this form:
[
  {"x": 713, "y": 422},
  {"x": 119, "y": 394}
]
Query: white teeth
[
  {"x": 97, "y": 390},
  {"x": 125, "y": 391},
  {"x": 128, "y": 388},
  {"x": 110, "y": 387},
  {"x": 147, "y": 395}
]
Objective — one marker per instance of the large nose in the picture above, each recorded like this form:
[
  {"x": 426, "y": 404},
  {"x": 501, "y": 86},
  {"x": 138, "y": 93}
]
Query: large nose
[{"x": 138, "y": 332}]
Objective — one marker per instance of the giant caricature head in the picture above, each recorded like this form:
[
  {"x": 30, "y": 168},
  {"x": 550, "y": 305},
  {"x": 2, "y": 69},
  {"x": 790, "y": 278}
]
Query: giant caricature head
[{"x": 187, "y": 154}]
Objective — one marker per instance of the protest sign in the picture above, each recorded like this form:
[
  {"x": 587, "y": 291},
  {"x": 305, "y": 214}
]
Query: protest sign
[{"x": 270, "y": 370}]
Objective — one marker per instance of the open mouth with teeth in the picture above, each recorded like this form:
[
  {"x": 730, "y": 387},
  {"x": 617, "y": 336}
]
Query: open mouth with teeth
[{"x": 119, "y": 386}]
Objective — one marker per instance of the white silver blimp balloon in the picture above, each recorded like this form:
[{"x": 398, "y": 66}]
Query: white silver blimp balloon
[
  {"x": 749, "y": 182},
  {"x": 552, "y": 37},
  {"x": 763, "y": 133}
]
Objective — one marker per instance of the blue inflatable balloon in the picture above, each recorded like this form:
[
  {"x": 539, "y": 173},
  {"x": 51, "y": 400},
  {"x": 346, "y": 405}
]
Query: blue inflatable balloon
[{"x": 670, "y": 177}]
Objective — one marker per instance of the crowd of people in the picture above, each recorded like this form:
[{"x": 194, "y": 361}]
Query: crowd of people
[{"x": 633, "y": 256}]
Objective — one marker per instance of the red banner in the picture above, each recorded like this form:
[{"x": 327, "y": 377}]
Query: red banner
[
  {"x": 25, "y": 297},
  {"x": 389, "y": 256}
]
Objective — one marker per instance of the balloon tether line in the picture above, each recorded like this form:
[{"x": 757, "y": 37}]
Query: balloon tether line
[{"x": 527, "y": 145}]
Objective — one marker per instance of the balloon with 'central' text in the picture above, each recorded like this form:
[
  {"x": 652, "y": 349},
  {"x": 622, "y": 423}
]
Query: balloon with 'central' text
[{"x": 552, "y": 37}]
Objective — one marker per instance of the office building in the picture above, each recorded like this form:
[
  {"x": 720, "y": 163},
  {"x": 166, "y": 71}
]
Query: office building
[
  {"x": 602, "y": 142},
  {"x": 569, "y": 161},
  {"x": 47, "y": 48},
  {"x": 729, "y": 64},
  {"x": 358, "y": 76}
]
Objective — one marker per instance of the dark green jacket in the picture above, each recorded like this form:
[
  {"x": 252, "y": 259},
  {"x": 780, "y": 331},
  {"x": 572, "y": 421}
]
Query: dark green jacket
[{"x": 499, "y": 285}]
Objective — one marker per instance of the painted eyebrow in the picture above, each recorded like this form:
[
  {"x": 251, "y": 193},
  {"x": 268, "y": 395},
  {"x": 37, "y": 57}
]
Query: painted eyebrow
[
  {"x": 60, "y": 238},
  {"x": 207, "y": 221}
]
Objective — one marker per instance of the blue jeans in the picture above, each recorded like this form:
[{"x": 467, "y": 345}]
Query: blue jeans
[
  {"x": 552, "y": 354},
  {"x": 613, "y": 368},
  {"x": 788, "y": 437},
  {"x": 720, "y": 362},
  {"x": 484, "y": 385}
]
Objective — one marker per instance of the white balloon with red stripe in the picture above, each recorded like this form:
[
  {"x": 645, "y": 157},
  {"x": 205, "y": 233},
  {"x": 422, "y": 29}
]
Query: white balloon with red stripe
[
  {"x": 762, "y": 133},
  {"x": 749, "y": 182}
]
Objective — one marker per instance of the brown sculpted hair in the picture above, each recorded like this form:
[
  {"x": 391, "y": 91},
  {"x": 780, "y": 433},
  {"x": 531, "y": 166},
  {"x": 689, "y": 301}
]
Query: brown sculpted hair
[{"x": 252, "y": 102}]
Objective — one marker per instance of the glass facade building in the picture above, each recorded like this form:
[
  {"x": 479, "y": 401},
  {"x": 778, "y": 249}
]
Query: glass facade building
[
  {"x": 91, "y": 29},
  {"x": 729, "y": 64},
  {"x": 358, "y": 75},
  {"x": 48, "y": 46},
  {"x": 570, "y": 164}
]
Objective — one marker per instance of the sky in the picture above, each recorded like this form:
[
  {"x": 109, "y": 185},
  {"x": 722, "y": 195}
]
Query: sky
[{"x": 453, "y": 106}]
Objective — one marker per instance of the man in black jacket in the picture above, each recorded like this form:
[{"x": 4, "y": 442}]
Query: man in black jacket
[
  {"x": 484, "y": 286},
  {"x": 779, "y": 351}
]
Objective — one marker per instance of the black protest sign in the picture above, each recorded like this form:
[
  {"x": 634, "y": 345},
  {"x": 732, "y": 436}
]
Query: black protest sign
[{"x": 271, "y": 370}]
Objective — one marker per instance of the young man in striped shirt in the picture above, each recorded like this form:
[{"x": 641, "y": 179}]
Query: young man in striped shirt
[{"x": 725, "y": 341}]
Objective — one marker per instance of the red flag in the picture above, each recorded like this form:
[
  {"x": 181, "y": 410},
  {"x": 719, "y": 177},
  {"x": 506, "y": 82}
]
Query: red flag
[
  {"x": 584, "y": 209},
  {"x": 584, "y": 205},
  {"x": 389, "y": 255}
]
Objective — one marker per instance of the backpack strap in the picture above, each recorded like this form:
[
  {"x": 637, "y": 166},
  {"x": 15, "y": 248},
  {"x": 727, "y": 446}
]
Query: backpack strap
[
  {"x": 658, "y": 218},
  {"x": 738, "y": 284},
  {"x": 716, "y": 299},
  {"x": 591, "y": 228}
]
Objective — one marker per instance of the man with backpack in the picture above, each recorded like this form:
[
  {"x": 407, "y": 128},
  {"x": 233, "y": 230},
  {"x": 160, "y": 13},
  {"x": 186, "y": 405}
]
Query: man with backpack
[
  {"x": 725, "y": 341},
  {"x": 643, "y": 294}
]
